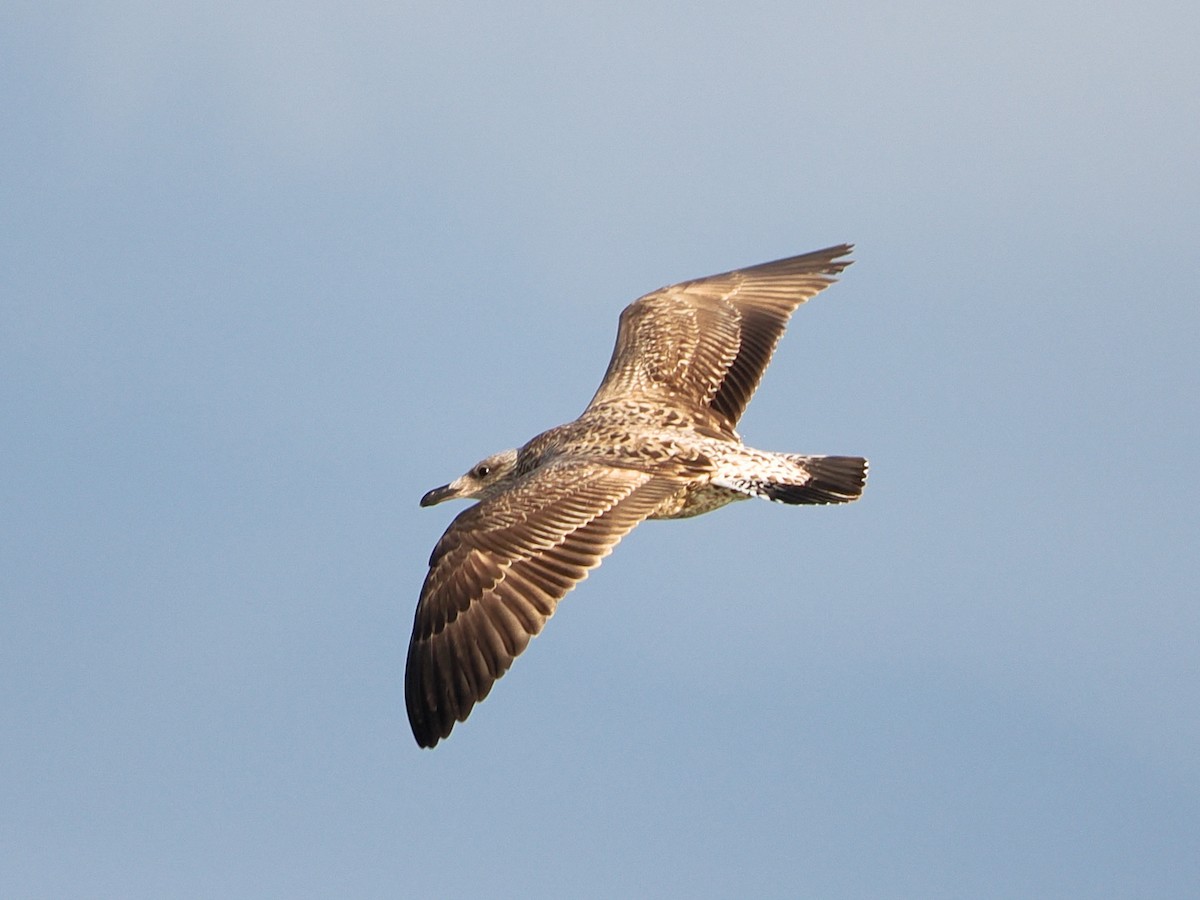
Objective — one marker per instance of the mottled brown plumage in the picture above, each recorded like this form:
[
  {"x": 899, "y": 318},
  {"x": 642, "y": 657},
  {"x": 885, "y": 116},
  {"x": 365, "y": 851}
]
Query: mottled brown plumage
[{"x": 658, "y": 440}]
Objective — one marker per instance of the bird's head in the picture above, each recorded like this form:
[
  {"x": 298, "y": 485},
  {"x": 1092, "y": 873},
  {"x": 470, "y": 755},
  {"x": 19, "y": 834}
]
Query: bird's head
[{"x": 487, "y": 477}]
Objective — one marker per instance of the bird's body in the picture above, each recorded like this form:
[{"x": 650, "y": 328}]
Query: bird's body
[{"x": 658, "y": 440}]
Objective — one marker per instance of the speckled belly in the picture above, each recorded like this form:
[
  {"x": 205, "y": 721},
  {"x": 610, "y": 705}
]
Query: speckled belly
[{"x": 697, "y": 500}]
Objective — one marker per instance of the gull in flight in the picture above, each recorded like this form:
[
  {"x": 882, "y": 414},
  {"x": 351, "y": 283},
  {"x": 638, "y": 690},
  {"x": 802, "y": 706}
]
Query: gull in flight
[{"x": 657, "y": 441}]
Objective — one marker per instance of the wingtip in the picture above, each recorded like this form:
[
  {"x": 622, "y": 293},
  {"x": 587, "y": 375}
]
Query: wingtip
[
  {"x": 426, "y": 743},
  {"x": 838, "y": 255},
  {"x": 426, "y": 732},
  {"x": 824, "y": 263}
]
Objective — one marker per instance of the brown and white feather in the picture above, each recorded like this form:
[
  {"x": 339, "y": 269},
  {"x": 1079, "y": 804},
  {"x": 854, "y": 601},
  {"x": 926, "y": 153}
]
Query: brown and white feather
[
  {"x": 704, "y": 344},
  {"x": 500, "y": 569}
]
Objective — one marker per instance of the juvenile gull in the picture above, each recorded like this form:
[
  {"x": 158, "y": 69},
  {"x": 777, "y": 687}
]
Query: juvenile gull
[{"x": 656, "y": 442}]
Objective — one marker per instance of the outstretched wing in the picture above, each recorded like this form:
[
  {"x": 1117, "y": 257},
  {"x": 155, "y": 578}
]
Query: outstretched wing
[
  {"x": 704, "y": 344},
  {"x": 498, "y": 573}
]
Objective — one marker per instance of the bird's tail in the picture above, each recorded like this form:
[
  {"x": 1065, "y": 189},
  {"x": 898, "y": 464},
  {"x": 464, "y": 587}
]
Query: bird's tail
[{"x": 817, "y": 479}]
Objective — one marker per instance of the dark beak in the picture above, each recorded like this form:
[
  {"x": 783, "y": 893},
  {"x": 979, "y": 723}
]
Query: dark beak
[{"x": 438, "y": 494}]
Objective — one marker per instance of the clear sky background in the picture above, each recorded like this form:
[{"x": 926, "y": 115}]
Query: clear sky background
[{"x": 269, "y": 272}]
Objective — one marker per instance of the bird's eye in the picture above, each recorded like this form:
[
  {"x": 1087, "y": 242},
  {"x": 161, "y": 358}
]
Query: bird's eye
[{"x": 482, "y": 471}]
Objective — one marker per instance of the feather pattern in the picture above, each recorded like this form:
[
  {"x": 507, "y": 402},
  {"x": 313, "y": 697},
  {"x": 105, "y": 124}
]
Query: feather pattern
[
  {"x": 499, "y": 571},
  {"x": 704, "y": 344}
]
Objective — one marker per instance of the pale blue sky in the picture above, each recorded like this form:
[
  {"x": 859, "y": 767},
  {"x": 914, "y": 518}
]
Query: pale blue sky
[{"x": 268, "y": 272}]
